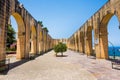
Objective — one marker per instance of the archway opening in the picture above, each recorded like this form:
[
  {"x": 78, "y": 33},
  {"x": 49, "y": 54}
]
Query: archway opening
[
  {"x": 33, "y": 38},
  {"x": 11, "y": 42},
  {"x": 15, "y": 44},
  {"x": 93, "y": 43},
  {"x": 41, "y": 42},
  {"x": 89, "y": 41},
  {"x": 108, "y": 35},
  {"x": 113, "y": 38}
]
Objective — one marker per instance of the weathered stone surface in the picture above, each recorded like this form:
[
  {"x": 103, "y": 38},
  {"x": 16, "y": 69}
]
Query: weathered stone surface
[
  {"x": 98, "y": 24},
  {"x": 29, "y": 40}
]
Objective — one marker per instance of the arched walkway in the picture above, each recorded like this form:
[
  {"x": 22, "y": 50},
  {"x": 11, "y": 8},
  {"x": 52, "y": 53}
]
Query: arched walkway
[
  {"x": 21, "y": 36},
  {"x": 33, "y": 40},
  {"x": 89, "y": 41},
  {"x": 104, "y": 36}
]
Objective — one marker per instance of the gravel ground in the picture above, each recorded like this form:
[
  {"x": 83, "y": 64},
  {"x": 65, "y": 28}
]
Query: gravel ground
[{"x": 49, "y": 67}]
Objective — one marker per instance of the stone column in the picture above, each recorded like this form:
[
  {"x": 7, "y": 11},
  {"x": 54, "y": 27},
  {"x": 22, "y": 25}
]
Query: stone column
[
  {"x": 44, "y": 40},
  {"x": 77, "y": 47},
  {"x": 78, "y": 38},
  {"x": 81, "y": 42},
  {"x": 38, "y": 38},
  {"x": 75, "y": 37},
  {"x": 103, "y": 44},
  {"x": 47, "y": 42},
  {"x": 2, "y": 29},
  {"x": 97, "y": 42},
  {"x": 73, "y": 43},
  {"x": 27, "y": 33},
  {"x": 20, "y": 46}
]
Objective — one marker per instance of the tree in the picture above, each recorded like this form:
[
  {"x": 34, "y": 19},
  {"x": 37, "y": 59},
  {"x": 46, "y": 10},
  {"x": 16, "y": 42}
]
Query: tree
[
  {"x": 45, "y": 28},
  {"x": 10, "y": 36},
  {"x": 41, "y": 23},
  {"x": 61, "y": 47}
]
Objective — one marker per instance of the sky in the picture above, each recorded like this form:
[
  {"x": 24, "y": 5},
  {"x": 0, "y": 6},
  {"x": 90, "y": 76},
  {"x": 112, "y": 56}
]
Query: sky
[{"x": 65, "y": 17}]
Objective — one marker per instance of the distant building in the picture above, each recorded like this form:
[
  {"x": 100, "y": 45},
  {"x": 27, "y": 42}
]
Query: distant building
[{"x": 13, "y": 46}]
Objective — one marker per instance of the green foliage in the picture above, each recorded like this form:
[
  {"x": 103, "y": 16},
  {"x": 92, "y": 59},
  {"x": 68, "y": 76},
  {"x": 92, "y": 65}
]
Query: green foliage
[
  {"x": 10, "y": 36},
  {"x": 60, "y": 48},
  {"x": 45, "y": 28},
  {"x": 41, "y": 23},
  {"x": 10, "y": 49}
]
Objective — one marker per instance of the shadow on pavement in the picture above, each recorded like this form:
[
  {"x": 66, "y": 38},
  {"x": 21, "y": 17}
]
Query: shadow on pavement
[
  {"x": 61, "y": 55},
  {"x": 15, "y": 64},
  {"x": 18, "y": 63}
]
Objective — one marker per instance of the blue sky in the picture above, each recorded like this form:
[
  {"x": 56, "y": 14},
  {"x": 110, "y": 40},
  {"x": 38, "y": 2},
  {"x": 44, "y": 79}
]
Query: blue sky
[{"x": 64, "y": 17}]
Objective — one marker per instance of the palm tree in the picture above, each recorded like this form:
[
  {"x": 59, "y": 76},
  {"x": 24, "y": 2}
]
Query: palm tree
[
  {"x": 41, "y": 23},
  {"x": 45, "y": 28}
]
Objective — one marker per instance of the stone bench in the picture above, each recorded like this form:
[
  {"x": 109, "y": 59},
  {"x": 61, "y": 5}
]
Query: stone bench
[
  {"x": 115, "y": 62},
  {"x": 4, "y": 65},
  {"x": 31, "y": 56}
]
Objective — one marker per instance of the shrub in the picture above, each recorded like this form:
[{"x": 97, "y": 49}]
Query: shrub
[{"x": 61, "y": 47}]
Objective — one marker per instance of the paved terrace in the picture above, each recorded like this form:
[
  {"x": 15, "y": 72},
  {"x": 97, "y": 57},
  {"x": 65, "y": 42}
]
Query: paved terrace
[{"x": 73, "y": 66}]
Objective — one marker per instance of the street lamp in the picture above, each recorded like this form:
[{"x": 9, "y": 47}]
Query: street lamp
[{"x": 113, "y": 49}]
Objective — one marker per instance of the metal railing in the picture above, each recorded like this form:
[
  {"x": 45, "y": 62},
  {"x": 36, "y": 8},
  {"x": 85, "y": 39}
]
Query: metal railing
[{"x": 113, "y": 49}]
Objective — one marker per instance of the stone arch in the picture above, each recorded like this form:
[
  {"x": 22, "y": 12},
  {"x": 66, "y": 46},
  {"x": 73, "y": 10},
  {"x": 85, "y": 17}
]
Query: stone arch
[
  {"x": 89, "y": 40},
  {"x": 21, "y": 35},
  {"x": 33, "y": 37},
  {"x": 103, "y": 35}
]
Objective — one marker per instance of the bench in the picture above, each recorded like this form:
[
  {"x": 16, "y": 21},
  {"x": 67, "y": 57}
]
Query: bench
[
  {"x": 31, "y": 56},
  {"x": 4, "y": 65},
  {"x": 115, "y": 62}
]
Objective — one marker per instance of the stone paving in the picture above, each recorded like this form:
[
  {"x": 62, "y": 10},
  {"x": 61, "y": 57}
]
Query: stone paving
[
  {"x": 100, "y": 68},
  {"x": 73, "y": 66},
  {"x": 48, "y": 67}
]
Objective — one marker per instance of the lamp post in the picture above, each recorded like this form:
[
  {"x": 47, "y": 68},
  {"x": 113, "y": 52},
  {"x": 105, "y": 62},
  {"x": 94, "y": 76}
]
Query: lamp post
[{"x": 113, "y": 49}]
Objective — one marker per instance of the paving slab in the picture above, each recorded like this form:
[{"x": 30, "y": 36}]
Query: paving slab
[
  {"x": 49, "y": 67},
  {"x": 100, "y": 68}
]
